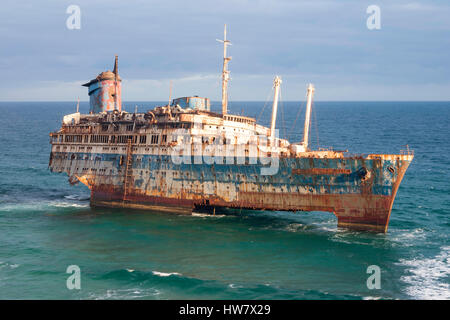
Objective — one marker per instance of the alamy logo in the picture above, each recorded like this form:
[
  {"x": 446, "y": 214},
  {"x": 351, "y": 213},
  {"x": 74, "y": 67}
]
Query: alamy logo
[
  {"x": 226, "y": 148},
  {"x": 74, "y": 281},
  {"x": 374, "y": 20},
  {"x": 74, "y": 20},
  {"x": 374, "y": 281}
]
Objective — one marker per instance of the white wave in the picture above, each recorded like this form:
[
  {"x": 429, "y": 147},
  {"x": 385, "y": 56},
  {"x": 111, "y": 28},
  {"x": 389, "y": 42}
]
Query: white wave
[
  {"x": 427, "y": 279},
  {"x": 23, "y": 207},
  {"x": 41, "y": 206},
  {"x": 71, "y": 197},
  {"x": 327, "y": 226},
  {"x": 407, "y": 237},
  {"x": 329, "y": 229},
  {"x": 295, "y": 227},
  {"x": 353, "y": 237},
  {"x": 371, "y": 298},
  {"x": 68, "y": 205},
  {"x": 10, "y": 265},
  {"x": 120, "y": 294},
  {"x": 76, "y": 197},
  {"x": 163, "y": 274},
  {"x": 206, "y": 215},
  {"x": 130, "y": 270}
]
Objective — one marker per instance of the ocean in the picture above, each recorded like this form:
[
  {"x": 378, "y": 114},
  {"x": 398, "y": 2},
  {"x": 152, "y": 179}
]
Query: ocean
[{"x": 47, "y": 225}]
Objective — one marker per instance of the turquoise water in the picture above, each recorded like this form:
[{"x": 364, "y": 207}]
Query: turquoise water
[{"x": 47, "y": 225}]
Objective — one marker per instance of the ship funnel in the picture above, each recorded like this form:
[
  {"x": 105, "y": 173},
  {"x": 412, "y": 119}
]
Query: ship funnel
[{"x": 105, "y": 91}]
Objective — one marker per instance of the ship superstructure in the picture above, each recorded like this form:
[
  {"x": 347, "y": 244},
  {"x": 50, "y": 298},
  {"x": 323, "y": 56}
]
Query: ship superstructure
[{"x": 183, "y": 157}]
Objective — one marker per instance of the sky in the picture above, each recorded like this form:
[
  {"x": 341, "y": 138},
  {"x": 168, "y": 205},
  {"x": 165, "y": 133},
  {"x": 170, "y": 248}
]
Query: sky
[{"x": 323, "y": 42}]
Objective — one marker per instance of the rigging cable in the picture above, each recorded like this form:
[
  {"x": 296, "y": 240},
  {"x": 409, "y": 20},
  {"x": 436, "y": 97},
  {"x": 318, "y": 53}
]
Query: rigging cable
[
  {"x": 295, "y": 121},
  {"x": 315, "y": 123},
  {"x": 265, "y": 104},
  {"x": 282, "y": 116}
]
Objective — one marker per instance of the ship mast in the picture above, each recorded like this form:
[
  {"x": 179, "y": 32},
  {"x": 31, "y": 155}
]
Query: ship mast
[
  {"x": 225, "y": 72},
  {"x": 308, "y": 116},
  {"x": 276, "y": 86},
  {"x": 115, "y": 71}
]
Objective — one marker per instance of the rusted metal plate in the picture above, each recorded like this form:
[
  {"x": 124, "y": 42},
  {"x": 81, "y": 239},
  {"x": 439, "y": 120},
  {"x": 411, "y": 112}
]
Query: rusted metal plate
[{"x": 321, "y": 171}]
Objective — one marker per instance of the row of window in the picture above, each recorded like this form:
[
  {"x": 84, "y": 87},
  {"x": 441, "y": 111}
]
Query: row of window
[
  {"x": 110, "y": 139},
  {"x": 105, "y": 127},
  {"x": 131, "y": 127},
  {"x": 73, "y": 138},
  {"x": 99, "y": 139},
  {"x": 238, "y": 119},
  {"x": 89, "y": 149}
]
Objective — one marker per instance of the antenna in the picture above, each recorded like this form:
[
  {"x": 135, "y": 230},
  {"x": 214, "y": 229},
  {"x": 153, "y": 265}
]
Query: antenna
[
  {"x": 225, "y": 72},
  {"x": 134, "y": 117},
  {"x": 170, "y": 93},
  {"x": 78, "y": 105}
]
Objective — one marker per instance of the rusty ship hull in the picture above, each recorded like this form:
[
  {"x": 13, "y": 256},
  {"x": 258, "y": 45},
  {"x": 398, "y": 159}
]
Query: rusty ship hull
[{"x": 359, "y": 191}]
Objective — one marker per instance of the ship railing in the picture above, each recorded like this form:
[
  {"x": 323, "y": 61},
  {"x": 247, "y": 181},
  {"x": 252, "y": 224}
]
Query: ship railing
[
  {"x": 355, "y": 155},
  {"x": 74, "y": 129},
  {"x": 87, "y": 131},
  {"x": 407, "y": 151}
]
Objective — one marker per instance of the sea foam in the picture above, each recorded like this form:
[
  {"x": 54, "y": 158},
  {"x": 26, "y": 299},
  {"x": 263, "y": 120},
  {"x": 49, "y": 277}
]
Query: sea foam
[{"x": 427, "y": 279}]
